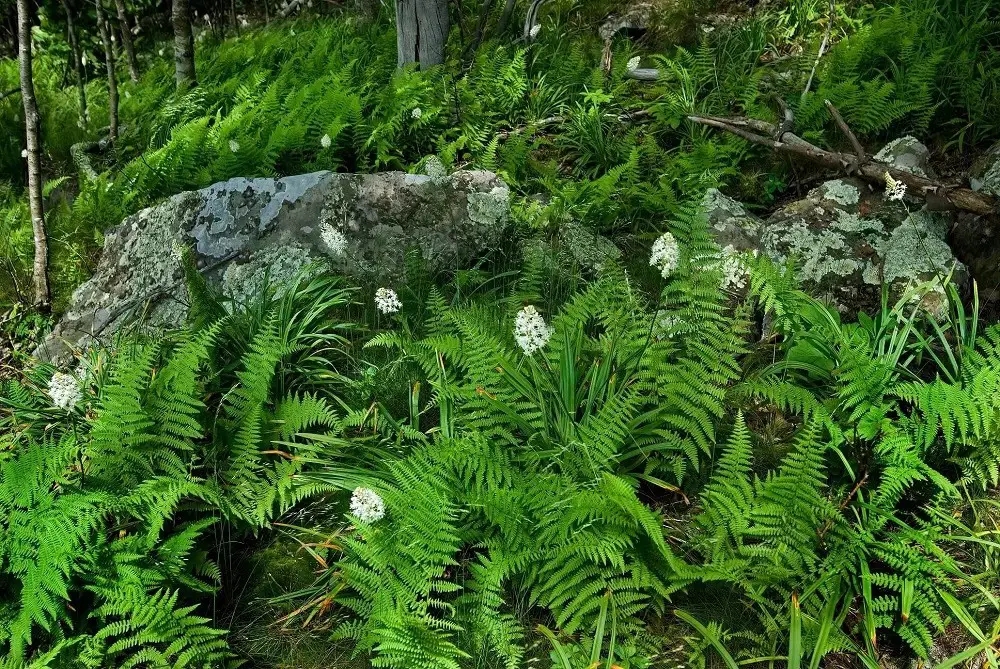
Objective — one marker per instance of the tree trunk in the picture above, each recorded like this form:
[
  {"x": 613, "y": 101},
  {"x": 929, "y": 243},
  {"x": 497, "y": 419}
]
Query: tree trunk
[
  {"x": 421, "y": 31},
  {"x": 508, "y": 10},
  {"x": 74, "y": 48},
  {"x": 126, "y": 31},
  {"x": 109, "y": 59},
  {"x": 40, "y": 269},
  {"x": 183, "y": 45}
]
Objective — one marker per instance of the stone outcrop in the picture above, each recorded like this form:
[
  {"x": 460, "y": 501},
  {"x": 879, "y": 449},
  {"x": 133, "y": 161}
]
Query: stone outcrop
[
  {"x": 848, "y": 239},
  {"x": 242, "y": 230}
]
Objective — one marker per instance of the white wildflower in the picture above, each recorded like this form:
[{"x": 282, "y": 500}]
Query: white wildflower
[
  {"x": 665, "y": 254},
  {"x": 177, "y": 251},
  {"x": 64, "y": 390},
  {"x": 83, "y": 59},
  {"x": 367, "y": 505},
  {"x": 387, "y": 301},
  {"x": 333, "y": 238},
  {"x": 325, "y": 141},
  {"x": 161, "y": 52},
  {"x": 535, "y": 29},
  {"x": 207, "y": 20},
  {"x": 417, "y": 112},
  {"x": 734, "y": 269},
  {"x": 894, "y": 190},
  {"x": 531, "y": 331},
  {"x": 128, "y": 96},
  {"x": 633, "y": 64},
  {"x": 24, "y": 153},
  {"x": 234, "y": 146}
]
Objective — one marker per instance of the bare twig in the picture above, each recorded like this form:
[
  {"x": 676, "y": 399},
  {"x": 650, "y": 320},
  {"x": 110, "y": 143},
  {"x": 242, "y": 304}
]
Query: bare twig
[
  {"x": 859, "y": 150},
  {"x": 7, "y": 94},
  {"x": 763, "y": 133}
]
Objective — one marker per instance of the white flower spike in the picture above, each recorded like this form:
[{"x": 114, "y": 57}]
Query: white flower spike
[
  {"x": 417, "y": 112},
  {"x": 234, "y": 146},
  {"x": 387, "y": 301},
  {"x": 894, "y": 190},
  {"x": 633, "y": 64},
  {"x": 64, "y": 390},
  {"x": 367, "y": 505},
  {"x": 535, "y": 29},
  {"x": 665, "y": 254},
  {"x": 333, "y": 238},
  {"x": 530, "y": 330},
  {"x": 325, "y": 141}
]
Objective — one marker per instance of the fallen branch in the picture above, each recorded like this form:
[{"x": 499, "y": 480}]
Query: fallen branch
[
  {"x": 940, "y": 196},
  {"x": 625, "y": 118}
]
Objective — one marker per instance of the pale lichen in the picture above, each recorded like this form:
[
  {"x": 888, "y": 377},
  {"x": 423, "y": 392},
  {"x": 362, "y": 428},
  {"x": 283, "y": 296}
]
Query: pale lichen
[
  {"x": 276, "y": 266},
  {"x": 841, "y": 192}
]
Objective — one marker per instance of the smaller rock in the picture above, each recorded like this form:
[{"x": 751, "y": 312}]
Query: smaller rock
[
  {"x": 985, "y": 175},
  {"x": 907, "y": 154},
  {"x": 847, "y": 240},
  {"x": 635, "y": 19}
]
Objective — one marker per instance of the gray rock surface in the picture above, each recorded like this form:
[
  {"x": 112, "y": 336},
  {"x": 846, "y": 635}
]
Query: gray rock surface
[
  {"x": 847, "y": 241},
  {"x": 243, "y": 229}
]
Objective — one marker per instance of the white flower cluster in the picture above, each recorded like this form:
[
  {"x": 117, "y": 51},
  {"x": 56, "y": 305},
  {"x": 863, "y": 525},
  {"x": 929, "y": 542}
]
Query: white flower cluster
[
  {"x": 894, "y": 190},
  {"x": 665, "y": 254},
  {"x": 387, "y": 301},
  {"x": 234, "y": 146},
  {"x": 177, "y": 251},
  {"x": 535, "y": 29},
  {"x": 531, "y": 331},
  {"x": 367, "y": 505},
  {"x": 417, "y": 112},
  {"x": 65, "y": 391},
  {"x": 325, "y": 141},
  {"x": 333, "y": 239},
  {"x": 633, "y": 64},
  {"x": 734, "y": 269}
]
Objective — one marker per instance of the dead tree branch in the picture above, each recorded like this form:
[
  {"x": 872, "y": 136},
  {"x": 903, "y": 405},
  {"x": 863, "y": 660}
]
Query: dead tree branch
[{"x": 939, "y": 195}]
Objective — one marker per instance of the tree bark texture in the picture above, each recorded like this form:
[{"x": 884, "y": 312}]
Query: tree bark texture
[
  {"x": 104, "y": 27},
  {"x": 126, "y": 31},
  {"x": 421, "y": 31},
  {"x": 184, "y": 74},
  {"x": 74, "y": 47},
  {"x": 40, "y": 268}
]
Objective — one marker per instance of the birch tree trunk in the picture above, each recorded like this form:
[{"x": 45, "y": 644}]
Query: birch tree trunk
[
  {"x": 183, "y": 45},
  {"x": 421, "y": 31},
  {"x": 109, "y": 59},
  {"x": 126, "y": 31},
  {"x": 40, "y": 269},
  {"x": 74, "y": 47}
]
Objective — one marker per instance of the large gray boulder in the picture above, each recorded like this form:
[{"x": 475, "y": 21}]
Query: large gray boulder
[
  {"x": 240, "y": 230},
  {"x": 847, "y": 241}
]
